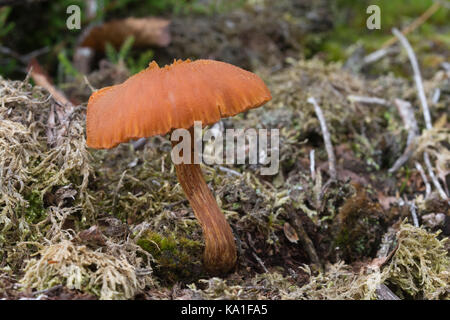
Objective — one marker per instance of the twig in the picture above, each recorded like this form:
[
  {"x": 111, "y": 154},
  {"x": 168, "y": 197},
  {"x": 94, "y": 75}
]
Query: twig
[
  {"x": 412, "y": 209},
  {"x": 139, "y": 144},
  {"x": 39, "y": 76},
  {"x": 416, "y": 23},
  {"x": 402, "y": 159},
  {"x": 326, "y": 138},
  {"x": 433, "y": 177},
  {"x": 261, "y": 263},
  {"x": 305, "y": 240},
  {"x": 376, "y": 55},
  {"x": 174, "y": 204},
  {"x": 23, "y": 58},
  {"x": 86, "y": 80},
  {"x": 384, "y": 293},
  {"x": 64, "y": 107},
  {"x": 409, "y": 120},
  {"x": 417, "y": 76},
  {"x": 46, "y": 291},
  {"x": 368, "y": 100},
  {"x": 407, "y": 114},
  {"x": 312, "y": 164},
  {"x": 424, "y": 178},
  {"x": 230, "y": 171},
  {"x": 436, "y": 96}
]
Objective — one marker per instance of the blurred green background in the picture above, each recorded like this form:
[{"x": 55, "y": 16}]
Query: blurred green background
[{"x": 38, "y": 28}]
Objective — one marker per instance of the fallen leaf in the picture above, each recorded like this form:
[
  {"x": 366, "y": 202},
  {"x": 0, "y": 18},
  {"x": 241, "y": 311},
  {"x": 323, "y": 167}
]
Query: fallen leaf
[
  {"x": 290, "y": 233},
  {"x": 146, "y": 32}
]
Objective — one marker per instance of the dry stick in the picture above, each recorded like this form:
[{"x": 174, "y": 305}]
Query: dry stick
[
  {"x": 433, "y": 177},
  {"x": 65, "y": 108},
  {"x": 312, "y": 164},
  {"x": 417, "y": 76},
  {"x": 407, "y": 114},
  {"x": 86, "y": 80},
  {"x": 261, "y": 263},
  {"x": 416, "y": 23},
  {"x": 230, "y": 171},
  {"x": 368, "y": 100},
  {"x": 423, "y": 101},
  {"x": 436, "y": 96},
  {"x": 376, "y": 55},
  {"x": 384, "y": 293},
  {"x": 424, "y": 178},
  {"x": 326, "y": 138},
  {"x": 305, "y": 240},
  {"x": 412, "y": 209}
]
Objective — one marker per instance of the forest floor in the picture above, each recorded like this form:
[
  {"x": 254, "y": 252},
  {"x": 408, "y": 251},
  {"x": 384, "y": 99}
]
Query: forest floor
[{"x": 78, "y": 223}]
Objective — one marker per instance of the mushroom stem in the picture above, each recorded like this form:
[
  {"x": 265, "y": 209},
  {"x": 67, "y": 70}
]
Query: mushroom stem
[{"x": 220, "y": 248}]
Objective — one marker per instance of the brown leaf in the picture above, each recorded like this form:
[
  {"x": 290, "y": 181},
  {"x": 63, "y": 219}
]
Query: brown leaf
[
  {"x": 92, "y": 236},
  {"x": 146, "y": 32},
  {"x": 290, "y": 233},
  {"x": 381, "y": 261},
  {"x": 386, "y": 201}
]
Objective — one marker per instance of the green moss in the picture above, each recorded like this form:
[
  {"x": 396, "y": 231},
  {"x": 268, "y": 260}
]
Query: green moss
[
  {"x": 420, "y": 267},
  {"x": 35, "y": 210},
  {"x": 177, "y": 258},
  {"x": 359, "y": 227}
]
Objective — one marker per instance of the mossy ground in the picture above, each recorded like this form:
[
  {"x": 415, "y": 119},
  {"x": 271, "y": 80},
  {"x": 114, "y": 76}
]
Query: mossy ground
[{"x": 115, "y": 223}]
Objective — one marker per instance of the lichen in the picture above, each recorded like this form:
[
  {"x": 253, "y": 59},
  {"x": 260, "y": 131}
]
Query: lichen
[{"x": 78, "y": 267}]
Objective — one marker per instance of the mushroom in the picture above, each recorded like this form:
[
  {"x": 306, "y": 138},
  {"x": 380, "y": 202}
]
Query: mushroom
[{"x": 159, "y": 100}]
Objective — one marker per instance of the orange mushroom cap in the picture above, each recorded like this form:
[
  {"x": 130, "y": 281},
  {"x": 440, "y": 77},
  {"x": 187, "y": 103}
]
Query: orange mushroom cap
[{"x": 158, "y": 100}]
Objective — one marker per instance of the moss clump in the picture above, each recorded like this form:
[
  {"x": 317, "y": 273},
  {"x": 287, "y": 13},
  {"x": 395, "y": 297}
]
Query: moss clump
[
  {"x": 420, "y": 267},
  {"x": 79, "y": 267},
  {"x": 38, "y": 152},
  {"x": 35, "y": 210},
  {"x": 359, "y": 227},
  {"x": 177, "y": 258}
]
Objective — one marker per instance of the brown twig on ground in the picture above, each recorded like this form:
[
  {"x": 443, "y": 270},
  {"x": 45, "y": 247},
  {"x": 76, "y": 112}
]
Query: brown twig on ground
[
  {"x": 326, "y": 137},
  {"x": 40, "y": 77},
  {"x": 417, "y": 76}
]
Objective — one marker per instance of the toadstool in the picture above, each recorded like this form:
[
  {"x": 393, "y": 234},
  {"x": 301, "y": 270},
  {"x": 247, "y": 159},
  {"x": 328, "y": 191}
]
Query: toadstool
[{"x": 159, "y": 100}]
